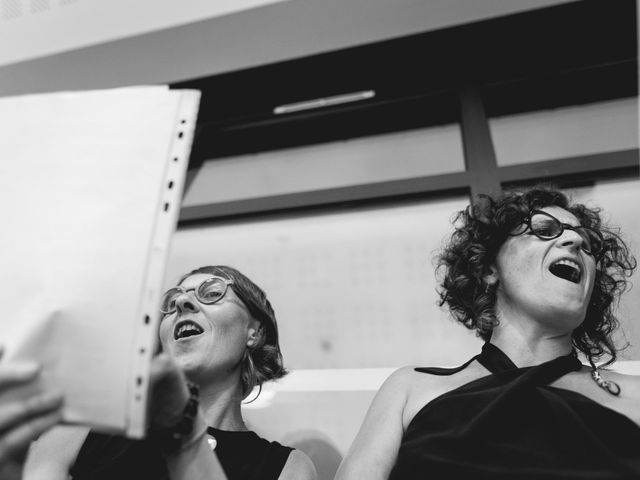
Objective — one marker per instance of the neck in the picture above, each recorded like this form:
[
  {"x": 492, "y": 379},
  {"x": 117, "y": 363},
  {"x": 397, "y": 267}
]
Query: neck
[
  {"x": 220, "y": 404},
  {"x": 526, "y": 345}
]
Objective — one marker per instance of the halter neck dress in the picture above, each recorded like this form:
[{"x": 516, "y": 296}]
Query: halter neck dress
[{"x": 513, "y": 425}]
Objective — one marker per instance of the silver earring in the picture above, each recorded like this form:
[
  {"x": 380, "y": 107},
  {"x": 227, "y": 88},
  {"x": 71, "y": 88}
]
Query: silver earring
[{"x": 612, "y": 387}]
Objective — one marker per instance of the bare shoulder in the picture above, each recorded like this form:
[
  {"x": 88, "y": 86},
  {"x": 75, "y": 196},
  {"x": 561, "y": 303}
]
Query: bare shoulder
[
  {"x": 395, "y": 389},
  {"x": 426, "y": 387},
  {"x": 627, "y": 402},
  {"x": 375, "y": 448},
  {"x": 373, "y": 451},
  {"x": 298, "y": 467},
  {"x": 401, "y": 376},
  {"x": 629, "y": 384},
  {"x": 629, "y": 389},
  {"x": 54, "y": 453}
]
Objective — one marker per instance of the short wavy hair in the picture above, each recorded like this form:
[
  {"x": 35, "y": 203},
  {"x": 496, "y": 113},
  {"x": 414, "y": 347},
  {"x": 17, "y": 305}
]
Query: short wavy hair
[
  {"x": 262, "y": 361},
  {"x": 480, "y": 231}
]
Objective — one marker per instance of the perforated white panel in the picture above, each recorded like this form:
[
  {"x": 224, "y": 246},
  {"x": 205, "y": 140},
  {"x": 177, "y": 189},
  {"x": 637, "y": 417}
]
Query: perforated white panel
[
  {"x": 11, "y": 9},
  {"x": 40, "y": 6},
  {"x": 22, "y": 9}
]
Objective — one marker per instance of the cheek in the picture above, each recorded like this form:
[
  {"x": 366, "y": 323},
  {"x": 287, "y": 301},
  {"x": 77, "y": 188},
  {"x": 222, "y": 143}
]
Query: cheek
[
  {"x": 164, "y": 331},
  {"x": 515, "y": 260},
  {"x": 226, "y": 331}
]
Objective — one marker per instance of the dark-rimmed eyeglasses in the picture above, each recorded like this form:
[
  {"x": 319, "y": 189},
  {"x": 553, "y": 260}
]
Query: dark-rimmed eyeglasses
[
  {"x": 209, "y": 291},
  {"x": 547, "y": 227}
]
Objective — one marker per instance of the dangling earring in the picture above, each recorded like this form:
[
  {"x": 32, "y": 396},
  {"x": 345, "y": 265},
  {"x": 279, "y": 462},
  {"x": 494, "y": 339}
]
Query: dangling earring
[{"x": 612, "y": 387}]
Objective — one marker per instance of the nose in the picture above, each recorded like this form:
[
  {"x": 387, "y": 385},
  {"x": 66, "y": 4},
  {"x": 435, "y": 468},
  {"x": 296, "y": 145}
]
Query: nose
[
  {"x": 184, "y": 303},
  {"x": 571, "y": 239}
]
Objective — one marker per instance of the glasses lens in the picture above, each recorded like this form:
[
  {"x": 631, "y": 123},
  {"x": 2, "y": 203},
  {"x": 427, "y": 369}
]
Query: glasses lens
[
  {"x": 593, "y": 241},
  {"x": 545, "y": 226},
  {"x": 212, "y": 290},
  {"x": 168, "y": 302}
]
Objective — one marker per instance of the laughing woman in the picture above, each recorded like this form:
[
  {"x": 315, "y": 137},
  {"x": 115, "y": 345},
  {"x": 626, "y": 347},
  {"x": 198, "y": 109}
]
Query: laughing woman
[
  {"x": 219, "y": 331},
  {"x": 537, "y": 277}
]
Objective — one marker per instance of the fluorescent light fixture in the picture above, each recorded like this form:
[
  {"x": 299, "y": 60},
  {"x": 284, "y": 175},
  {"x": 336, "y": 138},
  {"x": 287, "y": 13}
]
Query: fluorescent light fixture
[{"x": 324, "y": 102}]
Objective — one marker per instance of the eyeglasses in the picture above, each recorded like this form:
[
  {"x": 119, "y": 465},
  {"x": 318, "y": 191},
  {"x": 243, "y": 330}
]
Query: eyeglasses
[
  {"x": 209, "y": 291},
  {"x": 547, "y": 227}
]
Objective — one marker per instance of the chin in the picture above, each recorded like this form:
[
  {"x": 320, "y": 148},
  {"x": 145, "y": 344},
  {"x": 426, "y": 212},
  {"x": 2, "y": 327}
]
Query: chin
[{"x": 569, "y": 318}]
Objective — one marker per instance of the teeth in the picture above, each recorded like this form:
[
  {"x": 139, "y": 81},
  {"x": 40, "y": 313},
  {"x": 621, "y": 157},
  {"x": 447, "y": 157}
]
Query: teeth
[
  {"x": 567, "y": 270},
  {"x": 187, "y": 329},
  {"x": 568, "y": 262}
]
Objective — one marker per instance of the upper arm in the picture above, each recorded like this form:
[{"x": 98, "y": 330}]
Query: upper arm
[
  {"x": 298, "y": 467},
  {"x": 54, "y": 453},
  {"x": 375, "y": 448}
]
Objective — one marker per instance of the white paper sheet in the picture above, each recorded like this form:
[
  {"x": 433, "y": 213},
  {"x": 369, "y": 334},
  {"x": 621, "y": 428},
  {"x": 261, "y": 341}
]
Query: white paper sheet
[{"x": 90, "y": 189}]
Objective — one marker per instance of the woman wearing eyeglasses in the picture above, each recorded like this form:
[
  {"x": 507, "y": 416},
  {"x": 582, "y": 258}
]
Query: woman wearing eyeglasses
[
  {"x": 219, "y": 330},
  {"x": 537, "y": 277}
]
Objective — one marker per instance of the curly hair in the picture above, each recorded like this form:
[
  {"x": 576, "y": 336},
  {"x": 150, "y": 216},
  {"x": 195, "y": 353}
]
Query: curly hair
[
  {"x": 480, "y": 231},
  {"x": 263, "y": 360}
]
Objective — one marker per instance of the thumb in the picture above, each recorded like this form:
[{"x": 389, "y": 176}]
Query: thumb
[
  {"x": 164, "y": 369},
  {"x": 169, "y": 392}
]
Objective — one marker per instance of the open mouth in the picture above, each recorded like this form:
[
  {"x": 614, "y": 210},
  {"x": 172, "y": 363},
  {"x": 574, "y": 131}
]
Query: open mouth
[
  {"x": 567, "y": 270},
  {"x": 186, "y": 328}
]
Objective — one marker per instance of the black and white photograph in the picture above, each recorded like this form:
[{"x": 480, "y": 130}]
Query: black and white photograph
[{"x": 319, "y": 240}]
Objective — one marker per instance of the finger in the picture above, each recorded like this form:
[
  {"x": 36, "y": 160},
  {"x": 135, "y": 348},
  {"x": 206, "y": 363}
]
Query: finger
[
  {"x": 169, "y": 392},
  {"x": 15, "y": 442},
  {"x": 160, "y": 366},
  {"x": 21, "y": 410},
  {"x": 165, "y": 370},
  {"x": 16, "y": 373}
]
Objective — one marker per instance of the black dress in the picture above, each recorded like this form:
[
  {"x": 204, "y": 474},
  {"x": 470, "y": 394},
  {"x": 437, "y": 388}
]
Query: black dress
[
  {"x": 243, "y": 456},
  {"x": 513, "y": 425}
]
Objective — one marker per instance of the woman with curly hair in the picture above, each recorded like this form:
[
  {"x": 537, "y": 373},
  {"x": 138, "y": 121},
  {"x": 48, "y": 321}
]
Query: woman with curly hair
[
  {"x": 538, "y": 278},
  {"x": 219, "y": 332}
]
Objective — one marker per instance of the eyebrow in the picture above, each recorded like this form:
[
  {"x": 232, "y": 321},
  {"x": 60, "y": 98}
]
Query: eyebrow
[{"x": 579, "y": 224}]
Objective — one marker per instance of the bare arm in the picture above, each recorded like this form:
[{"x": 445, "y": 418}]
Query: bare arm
[
  {"x": 375, "y": 448},
  {"x": 53, "y": 455},
  {"x": 22, "y": 419}
]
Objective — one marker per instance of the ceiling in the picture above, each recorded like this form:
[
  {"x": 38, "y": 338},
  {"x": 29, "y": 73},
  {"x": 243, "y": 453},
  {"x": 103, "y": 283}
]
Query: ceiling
[{"x": 569, "y": 54}]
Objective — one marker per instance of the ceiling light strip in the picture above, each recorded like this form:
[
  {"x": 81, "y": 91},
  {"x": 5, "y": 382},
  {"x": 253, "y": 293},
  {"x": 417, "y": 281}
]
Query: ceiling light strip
[{"x": 324, "y": 102}]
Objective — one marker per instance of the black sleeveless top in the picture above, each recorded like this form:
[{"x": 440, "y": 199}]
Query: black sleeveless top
[
  {"x": 243, "y": 456},
  {"x": 513, "y": 425}
]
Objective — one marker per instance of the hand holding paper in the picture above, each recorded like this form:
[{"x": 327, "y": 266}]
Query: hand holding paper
[
  {"x": 23, "y": 416},
  {"x": 90, "y": 190}
]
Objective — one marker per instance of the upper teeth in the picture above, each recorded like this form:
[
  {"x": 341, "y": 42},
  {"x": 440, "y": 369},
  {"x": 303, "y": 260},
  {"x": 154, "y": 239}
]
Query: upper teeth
[
  {"x": 187, "y": 327},
  {"x": 571, "y": 263}
]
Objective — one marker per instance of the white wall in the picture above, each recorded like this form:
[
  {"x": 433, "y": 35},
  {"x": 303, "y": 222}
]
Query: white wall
[
  {"x": 566, "y": 132},
  {"x": 395, "y": 156}
]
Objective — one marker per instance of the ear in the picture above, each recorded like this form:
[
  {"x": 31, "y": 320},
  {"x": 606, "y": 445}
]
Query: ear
[
  {"x": 491, "y": 276},
  {"x": 254, "y": 334}
]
